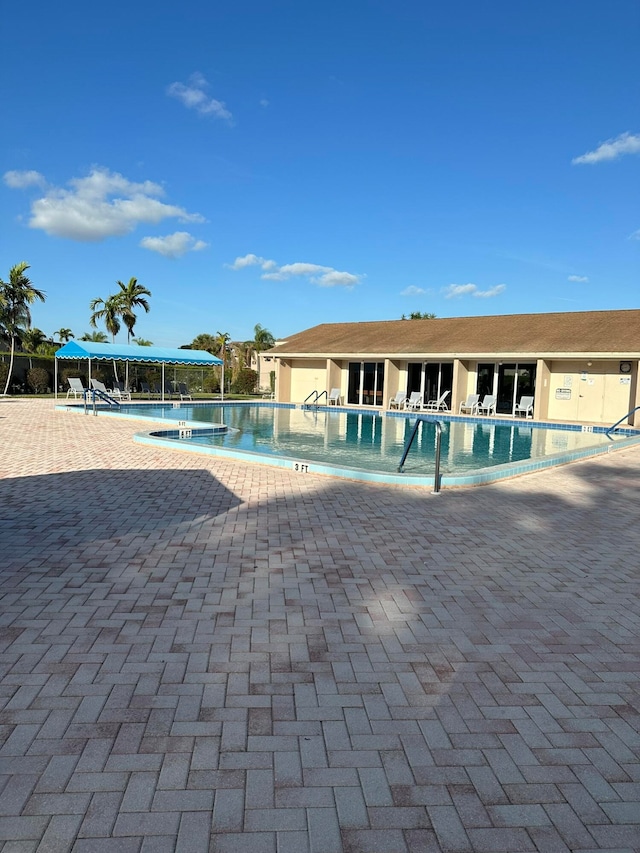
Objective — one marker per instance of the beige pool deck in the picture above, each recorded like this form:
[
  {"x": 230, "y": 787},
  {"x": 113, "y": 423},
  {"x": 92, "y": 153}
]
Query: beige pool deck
[{"x": 207, "y": 656}]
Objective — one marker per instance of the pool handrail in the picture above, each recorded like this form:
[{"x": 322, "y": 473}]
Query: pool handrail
[
  {"x": 96, "y": 392},
  {"x": 407, "y": 447},
  {"x": 617, "y": 423},
  {"x": 317, "y": 396}
]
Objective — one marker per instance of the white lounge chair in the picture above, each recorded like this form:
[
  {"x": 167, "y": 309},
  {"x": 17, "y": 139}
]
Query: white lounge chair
[
  {"x": 398, "y": 401},
  {"x": 119, "y": 391},
  {"x": 100, "y": 386},
  {"x": 184, "y": 391},
  {"x": 524, "y": 407},
  {"x": 439, "y": 404},
  {"x": 488, "y": 405},
  {"x": 76, "y": 388},
  {"x": 414, "y": 402},
  {"x": 335, "y": 397},
  {"x": 470, "y": 405}
]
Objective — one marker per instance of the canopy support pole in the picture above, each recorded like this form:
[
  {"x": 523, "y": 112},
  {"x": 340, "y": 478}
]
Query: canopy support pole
[
  {"x": 162, "y": 396},
  {"x": 55, "y": 378}
]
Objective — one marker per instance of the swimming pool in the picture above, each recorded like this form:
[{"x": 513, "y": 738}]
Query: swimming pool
[{"x": 368, "y": 446}]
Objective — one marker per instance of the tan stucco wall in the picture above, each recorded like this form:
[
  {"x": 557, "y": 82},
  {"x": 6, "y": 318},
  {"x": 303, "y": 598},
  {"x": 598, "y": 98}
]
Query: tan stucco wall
[
  {"x": 335, "y": 378},
  {"x": 596, "y": 393},
  {"x": 307, "y": 376},
  {"x": 394, "y": 380},
  {"x": 461, "y": 379},
  {"x": 283, "y": 380}
]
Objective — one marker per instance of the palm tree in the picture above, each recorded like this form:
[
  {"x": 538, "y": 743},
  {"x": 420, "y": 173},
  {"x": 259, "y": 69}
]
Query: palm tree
[
  {"x": 206, "y": 342},
  {"x": 143, "y": 342},
  {"x": 222, "y": 339},
  {"x": 64, "y": 335},
  {"x": 131, "y": 296},
  {"x": 108, "y": 310},
  {"x": 32, "y": 341},
  {"x": 262, "y": 340},
  {"x": 95, "y": 337},
  {"x": 16, "y": 295}
]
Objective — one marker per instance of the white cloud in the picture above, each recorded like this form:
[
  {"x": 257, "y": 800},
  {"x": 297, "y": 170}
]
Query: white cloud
[
  {"x": 315, "y": 273},
  {"x": 626, "y": 143},
  {"x": 635, "y": 235},
  {"x": 194, "y": 97},
  {"x": 102, "y": 204},
  {"x": 264, "y": 102},
  {"x": 21, "y": 180},
  {"x": 493, "y": 291},
  {"x": 580, "y": 278},
  {"x": 454, "y": 291},
  {"x": 251, "y": 261},
  {"x": 173, "y": 245},
  {"x": 335, "y": 278},
  {"x": 412, "y": 290}
]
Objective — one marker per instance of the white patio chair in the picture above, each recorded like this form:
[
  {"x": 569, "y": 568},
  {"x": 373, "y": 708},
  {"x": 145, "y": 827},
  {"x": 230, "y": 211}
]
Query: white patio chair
[
  {"x": 524, "y": 407},
  {"x": 76, "y": 388},
  {"x": 488, "y": 405},
  {"x": 100, "y": 386},
  {"x": 439, "y": 404},
  {"x": 414, "y": 402},
  {"x": 398, "y": 401},
  {"x": 335, "y": 397},
  {"x": 470, "y": 405},
  {"x": 119, "y": 391}
]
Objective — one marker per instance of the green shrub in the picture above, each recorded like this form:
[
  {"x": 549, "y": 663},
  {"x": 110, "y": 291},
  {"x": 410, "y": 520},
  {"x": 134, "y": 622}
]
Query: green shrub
[
  {"x": 38, "y": 380},
  {"x": 72, "y": 372},
  {"x": 211, "y": 382},
  {"x": 245, "y": 381},
  {"x": 4, "y": 370}
]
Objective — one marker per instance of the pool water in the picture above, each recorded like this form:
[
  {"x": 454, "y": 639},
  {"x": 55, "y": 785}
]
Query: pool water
[{"x": 369, "y": 442}]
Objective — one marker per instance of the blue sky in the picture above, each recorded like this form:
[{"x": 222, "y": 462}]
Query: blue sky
[{"x": 290, "y": 163}]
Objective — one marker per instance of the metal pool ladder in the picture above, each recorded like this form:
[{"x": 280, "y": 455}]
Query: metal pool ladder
[
  {"x": 407, "y": 448},
  {"x": 94, "y": 393},
  {"x": 317, "y": 396}
]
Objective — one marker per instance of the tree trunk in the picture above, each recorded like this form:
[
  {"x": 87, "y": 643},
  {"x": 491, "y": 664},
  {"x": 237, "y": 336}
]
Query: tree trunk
[{"x": 13, "y": 347}]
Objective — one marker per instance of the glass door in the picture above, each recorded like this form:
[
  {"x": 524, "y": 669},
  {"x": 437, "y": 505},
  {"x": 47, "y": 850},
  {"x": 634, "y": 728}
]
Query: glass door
[
  {"x": 353, "y": 385},
  {"x": 366, "y": 383},
  {"x": 486, "y": 374},
  {"x": 514, "y": 381}
]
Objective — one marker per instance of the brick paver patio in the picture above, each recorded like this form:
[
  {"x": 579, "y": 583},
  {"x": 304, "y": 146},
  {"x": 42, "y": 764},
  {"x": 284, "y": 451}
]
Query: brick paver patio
[{"x": 200, "y": 655}]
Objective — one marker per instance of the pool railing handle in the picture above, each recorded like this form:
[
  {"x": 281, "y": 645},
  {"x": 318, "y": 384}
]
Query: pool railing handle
[
  {"x": 407, "y": 448},
  {"x": 617, "y": 423}
]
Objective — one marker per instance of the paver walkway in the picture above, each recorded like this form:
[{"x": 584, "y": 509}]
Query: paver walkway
[{"x": 200, "y": 655}]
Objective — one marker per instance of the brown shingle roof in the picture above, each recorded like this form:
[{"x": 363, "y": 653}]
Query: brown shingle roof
[{"x": 581, "y": 332}]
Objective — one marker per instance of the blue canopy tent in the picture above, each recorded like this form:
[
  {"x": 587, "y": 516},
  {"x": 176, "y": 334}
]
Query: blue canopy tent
[{"x": 87, "y": 350}]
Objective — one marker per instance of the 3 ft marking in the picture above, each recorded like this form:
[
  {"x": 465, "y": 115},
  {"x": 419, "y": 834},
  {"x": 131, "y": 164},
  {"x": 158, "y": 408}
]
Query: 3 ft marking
[{"x": 301, "y": 467}]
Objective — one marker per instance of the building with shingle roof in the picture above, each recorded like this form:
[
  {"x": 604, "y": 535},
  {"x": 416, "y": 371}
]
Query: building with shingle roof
[{"x": 578, "y": 366}]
